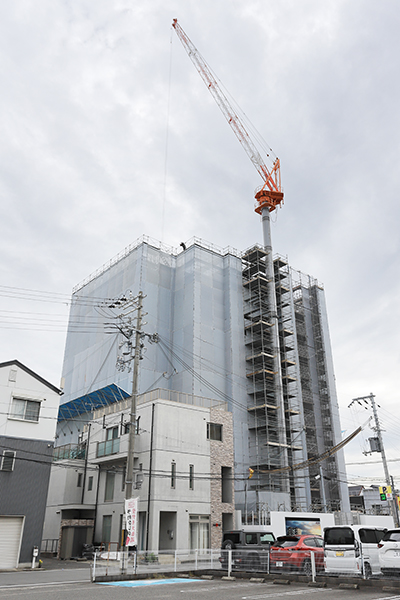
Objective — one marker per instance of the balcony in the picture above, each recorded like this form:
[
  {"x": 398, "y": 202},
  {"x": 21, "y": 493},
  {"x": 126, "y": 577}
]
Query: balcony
[
  {"x": 107, "y": 448},
  {"x": 70, "y": 452}
]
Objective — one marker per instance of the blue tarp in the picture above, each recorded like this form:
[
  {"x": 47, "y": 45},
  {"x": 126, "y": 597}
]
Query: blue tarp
[{"x": 90, "y": 402}]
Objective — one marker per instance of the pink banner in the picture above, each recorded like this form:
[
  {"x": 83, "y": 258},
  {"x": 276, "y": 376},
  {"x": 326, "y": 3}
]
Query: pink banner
[{"x": 131, "y": 514}]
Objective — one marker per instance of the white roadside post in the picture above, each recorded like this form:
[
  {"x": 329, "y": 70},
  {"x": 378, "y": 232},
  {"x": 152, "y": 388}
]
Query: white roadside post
[
  {"x": 313, "y": 570},
  {"x": 35, "y": 553}
]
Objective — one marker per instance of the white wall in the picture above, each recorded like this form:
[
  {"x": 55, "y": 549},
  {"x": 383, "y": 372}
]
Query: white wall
[
  {"x": 16, "y": 382},
  {"x": 278, "y": 520}
]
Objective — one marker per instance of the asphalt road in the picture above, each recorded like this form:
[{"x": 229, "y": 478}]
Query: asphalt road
[{"x": 48, "y": 586}]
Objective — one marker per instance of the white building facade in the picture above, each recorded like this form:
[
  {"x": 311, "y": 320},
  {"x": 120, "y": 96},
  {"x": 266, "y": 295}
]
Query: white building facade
[{"x": 183, "y": 476}]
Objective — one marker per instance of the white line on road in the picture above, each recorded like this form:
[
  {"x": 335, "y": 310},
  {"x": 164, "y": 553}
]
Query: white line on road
[
  {"x": 291, "y": 593},
  {"x": 37, "y": 585}
]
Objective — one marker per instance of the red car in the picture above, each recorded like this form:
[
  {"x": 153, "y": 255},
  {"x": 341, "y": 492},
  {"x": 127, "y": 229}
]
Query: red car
[{"x": 293, "y": 552}]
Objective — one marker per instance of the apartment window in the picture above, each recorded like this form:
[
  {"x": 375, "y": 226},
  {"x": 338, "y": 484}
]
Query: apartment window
[
  {"x": 90, "y": 484},
  {"x": 191, "y": 477},
  {"x": 7, "y": 460},
  {"x": 79, "y": 482},
  {"x": 26, "y": 410},
  {"x": 173, "y": 474},
  {"x": 214, "y": 432},
  {"x": 112, "y": 433},
  {"x": 111, "y": 443},
  {"x": 109, "y": 489},
  {"x": 199, "y": 532}
]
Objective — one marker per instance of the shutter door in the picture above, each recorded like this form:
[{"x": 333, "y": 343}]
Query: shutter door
[{"x": 10, "y": 541}]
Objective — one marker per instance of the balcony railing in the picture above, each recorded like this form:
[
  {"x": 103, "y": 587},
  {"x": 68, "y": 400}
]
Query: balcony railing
[
  {"x": 69, "y": 451},
  {"x": 108, "y": 447}
]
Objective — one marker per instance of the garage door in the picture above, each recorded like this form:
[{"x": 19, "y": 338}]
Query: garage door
[{"x": 11, "y": 529}]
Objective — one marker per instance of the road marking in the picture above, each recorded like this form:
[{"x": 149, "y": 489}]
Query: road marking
[
  {"x": 37, "y": 585},
  {"x": 291, "y": 593},
  {"x": 147, "y": 582}
]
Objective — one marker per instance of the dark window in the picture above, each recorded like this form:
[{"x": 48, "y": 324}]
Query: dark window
[
  {"x": 173, "y": 474},
  {"x": 309, "y": 542},
  {"x": 234, "y": 537},
  {"x": 368, "y": 536},
  {"x": 286, "y": 543},
  {"x": 191, "y": 477},
  {"x": 79, "y": 482},
  {"x": 27, "y": 410},
  {"x": 392, "y": 536},
  {"x": 226, "y": 484},
  {"x": 379, "y": 534},
  {"x": 251, "y": 538},
  {"x": 319, "y": 542},
  {"x": 214, "y": 432},
  {"x": 109, "y": 488},
  {"x": 342, "y": 536},
  {"x": 7, "y": 461},
  {"x": 90, "y": 484}
]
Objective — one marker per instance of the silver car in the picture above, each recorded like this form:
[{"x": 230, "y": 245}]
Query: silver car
[{"x": 389, "y": 552}]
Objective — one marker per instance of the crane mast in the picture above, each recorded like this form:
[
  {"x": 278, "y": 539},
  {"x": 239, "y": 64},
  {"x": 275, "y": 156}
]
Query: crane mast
[{"x": 270, "y": 195}]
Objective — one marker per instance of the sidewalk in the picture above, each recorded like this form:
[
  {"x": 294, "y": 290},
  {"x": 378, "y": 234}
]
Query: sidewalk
[{"x": 52, "y": 563}]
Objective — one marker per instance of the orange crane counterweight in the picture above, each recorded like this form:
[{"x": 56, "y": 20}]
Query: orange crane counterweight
[{"x": 270, "y": 195}]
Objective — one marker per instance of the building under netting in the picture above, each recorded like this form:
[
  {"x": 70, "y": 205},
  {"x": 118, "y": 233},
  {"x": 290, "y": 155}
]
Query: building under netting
[{"x": 230, "y": 327}]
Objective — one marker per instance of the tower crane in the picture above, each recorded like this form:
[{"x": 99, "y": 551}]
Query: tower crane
[{"x": 270, "y": 195}]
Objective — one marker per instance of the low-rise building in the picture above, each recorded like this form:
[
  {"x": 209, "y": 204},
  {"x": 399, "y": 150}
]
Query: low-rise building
[
  {"x": 183, "y": 476},
  {"x": 27, "y": 425}
]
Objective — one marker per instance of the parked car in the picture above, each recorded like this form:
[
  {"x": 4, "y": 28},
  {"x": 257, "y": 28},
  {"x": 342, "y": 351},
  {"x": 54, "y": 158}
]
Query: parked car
[
  {"x": 293, "y": 553},
  {"x": 389, "y": 552},
  {"x": 250, "y": 549},
  {"x": 352, "y": 549}
]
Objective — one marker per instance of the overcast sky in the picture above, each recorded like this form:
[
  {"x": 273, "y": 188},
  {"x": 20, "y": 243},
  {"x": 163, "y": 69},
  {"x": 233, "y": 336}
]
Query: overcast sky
[{"x": 107, "y": 132}]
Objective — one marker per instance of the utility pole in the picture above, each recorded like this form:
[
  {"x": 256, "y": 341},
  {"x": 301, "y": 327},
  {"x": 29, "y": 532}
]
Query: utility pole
[
  {"x": 132, "y": 421},
  {"x": 129, "y": 323},
  {"x": 371, "y": 399}
]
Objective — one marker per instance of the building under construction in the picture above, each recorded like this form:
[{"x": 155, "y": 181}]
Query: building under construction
[
  {"x": 229, "y": 329},
  {"x": 244, "y": 328}
]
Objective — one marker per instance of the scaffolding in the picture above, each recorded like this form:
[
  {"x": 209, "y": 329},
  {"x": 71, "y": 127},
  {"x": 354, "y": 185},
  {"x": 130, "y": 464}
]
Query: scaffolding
[
  {"x": 315, "y": 393},
  {"x": 270, "y": 368}
]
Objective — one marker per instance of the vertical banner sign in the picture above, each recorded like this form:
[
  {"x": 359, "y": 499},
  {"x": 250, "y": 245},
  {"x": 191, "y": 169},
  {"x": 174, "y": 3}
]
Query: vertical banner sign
[{"x": 131, "y": 513}]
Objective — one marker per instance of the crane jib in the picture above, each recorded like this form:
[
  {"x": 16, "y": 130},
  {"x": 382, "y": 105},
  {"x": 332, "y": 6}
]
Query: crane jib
[{"x": 270, "y": 195}]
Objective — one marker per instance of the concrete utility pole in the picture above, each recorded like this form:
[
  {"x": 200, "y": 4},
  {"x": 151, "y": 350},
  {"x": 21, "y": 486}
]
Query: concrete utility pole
[
  {"x": 132, "y": 421},
  {"x": 371, "y": 399}
]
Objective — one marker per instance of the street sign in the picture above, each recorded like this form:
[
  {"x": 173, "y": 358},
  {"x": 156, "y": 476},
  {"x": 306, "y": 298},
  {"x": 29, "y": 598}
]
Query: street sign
[{"x": 386, "y": 492}]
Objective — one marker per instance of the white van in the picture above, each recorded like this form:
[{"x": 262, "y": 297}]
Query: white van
[{"x": 352, "y": 549}]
